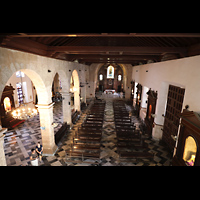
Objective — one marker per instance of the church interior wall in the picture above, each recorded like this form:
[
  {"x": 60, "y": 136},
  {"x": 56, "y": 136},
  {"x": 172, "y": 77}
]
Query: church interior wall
[
  {"x": 12, "y": 61},
  {"x": 93, "y": 72},
  {"x": 180, "y": 72}
]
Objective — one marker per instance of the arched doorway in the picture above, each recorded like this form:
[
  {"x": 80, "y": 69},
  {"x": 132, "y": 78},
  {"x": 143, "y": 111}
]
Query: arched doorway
[
  {"x": 57, "y": 99},
  {"x": 110, "y": 77},
  {"x": 34, "y": 130},
  {"x": 75, "y": 90},
  {"x": 120, "y": 78}
]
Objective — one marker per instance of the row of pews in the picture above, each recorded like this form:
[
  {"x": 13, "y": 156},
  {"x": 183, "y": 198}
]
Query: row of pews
[
  {"x": 86, "y": 140},
  {"x": 130, "y": 143}
]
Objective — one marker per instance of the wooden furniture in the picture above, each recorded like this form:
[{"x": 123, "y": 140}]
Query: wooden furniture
[
  {"x": 151, "y": 107},
  {"x": 61, "y": 132},
  {"x": 132, "y": 90},
  {"x": 87, "y": 140},
  {"x": 129, "y": 140},
  {"x": 172, "y": 115},
  {"x": 138, "y": 99},
  {"x": 5, "y": 111},
  {"x": 75, "y": 116},
  {"x": 187, "y": 152}
]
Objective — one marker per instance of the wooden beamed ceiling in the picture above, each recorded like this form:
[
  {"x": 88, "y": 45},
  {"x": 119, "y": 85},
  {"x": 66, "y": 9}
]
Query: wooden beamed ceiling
[{"x": 88, "y": 48}]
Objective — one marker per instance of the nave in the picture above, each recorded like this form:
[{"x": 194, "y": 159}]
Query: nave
[{"x": 19, "y": 142}]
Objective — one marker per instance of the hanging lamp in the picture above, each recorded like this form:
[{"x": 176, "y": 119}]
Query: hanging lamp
[{"x": 24, "y": 112}]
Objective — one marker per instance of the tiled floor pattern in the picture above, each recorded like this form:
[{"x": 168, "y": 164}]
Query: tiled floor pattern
[{"x": 19, "y": 142}]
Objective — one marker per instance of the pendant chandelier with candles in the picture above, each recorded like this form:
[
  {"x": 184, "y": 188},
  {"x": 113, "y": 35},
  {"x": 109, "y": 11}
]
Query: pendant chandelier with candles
[{"x": 24, "y": 111}]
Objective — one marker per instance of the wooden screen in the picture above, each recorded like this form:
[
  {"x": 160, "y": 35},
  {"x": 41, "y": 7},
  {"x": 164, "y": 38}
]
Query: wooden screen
[
  {"x": 172, "y": 115},
  {"x": 138, "y": 100},
  {"x": 151, "y": 107}
]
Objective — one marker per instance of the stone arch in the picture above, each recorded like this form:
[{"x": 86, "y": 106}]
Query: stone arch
[
  {"x": 35, "y": 78},
  {"x": 77, "y": 90},
  {"x": 39, "y": 85},
  {"x": 64, "y": 80},
  {"x": 45, "y": 113},
  {"x": 98, "y": 67}
]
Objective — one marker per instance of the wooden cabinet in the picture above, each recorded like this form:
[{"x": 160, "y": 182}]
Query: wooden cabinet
[
  {"x": 151, "y": 108},
  {"x": 187, "y": 152},
  {"x": 138, "y": 99}
]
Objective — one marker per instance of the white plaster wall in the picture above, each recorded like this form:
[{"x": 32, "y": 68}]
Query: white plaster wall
[{"x": 183, "y": 72}]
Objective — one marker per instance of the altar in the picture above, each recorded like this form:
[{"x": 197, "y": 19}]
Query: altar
[{"x": 109, "y": 91}]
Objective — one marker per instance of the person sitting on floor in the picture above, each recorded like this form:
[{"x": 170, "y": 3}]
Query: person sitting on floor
[
  {"x": 34, "y": 158},
  {"x": 39, "y": 151}
]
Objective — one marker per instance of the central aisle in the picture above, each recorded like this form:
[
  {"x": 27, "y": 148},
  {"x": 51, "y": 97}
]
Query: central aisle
[
  {"x": 108, "y": 149},
  {"x": 109, "y": 154}
]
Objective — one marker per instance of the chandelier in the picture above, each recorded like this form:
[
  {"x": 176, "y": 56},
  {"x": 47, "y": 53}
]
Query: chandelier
[{"x": 24, "y": 112}]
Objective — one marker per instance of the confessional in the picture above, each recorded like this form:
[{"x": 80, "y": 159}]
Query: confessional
[
  {"x": 7, "y": 106},
  {"x": 138, "y": 99},
  {"x": 187, "y": 152},
  {"x": 151, "y": 107},
  {"x": 132, "y": 90}
]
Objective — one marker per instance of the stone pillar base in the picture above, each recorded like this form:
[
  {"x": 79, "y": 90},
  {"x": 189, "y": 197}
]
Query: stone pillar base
[
  {"x": 50, "y": 151},
  {"x": 157, "y": 132}
]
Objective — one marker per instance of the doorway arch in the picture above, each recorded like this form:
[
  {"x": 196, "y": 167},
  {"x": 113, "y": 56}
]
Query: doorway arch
[
  {"x": 76, "y": 90},
  {"x": 124, "y": 79},
  {"x": 44, "y": 104}
]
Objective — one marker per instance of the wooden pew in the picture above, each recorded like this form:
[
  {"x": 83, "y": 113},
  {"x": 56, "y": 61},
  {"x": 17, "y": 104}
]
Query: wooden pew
[
  {"x": 75, "y": 116},
  {"x": 83, "y": 154},
  {"x": 61, "y": 132},
  {"x": 124, "y": 154}
]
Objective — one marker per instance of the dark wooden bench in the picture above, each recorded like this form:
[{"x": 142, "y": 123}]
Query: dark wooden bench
[
  {"x": 61, "y": 132},
  {"x": 89, "y": 129},
  {"x": 75, "y": 116},
  {"x": 86, "y": 146},
  {"x": 136, "y": 155},
  {"x": 122, "y": 120},
  {"x": 124, "y": 123},
  {"x": 83, "y": 131},
  {"x": 88, "y": 125},
  {"x": 82, "y": 154},
  {"x": 133, "y": 145},
  {"x": 87, "y": 138}
]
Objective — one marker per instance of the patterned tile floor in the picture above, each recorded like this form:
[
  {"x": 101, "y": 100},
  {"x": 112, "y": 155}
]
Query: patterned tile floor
[{"x": 19, "y": 142}]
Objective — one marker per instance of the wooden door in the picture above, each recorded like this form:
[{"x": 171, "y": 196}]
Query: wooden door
[{"x": 172, "y": 115}]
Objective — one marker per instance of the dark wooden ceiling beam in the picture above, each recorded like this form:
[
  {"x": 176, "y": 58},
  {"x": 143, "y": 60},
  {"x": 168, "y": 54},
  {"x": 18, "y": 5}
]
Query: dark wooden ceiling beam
[
  {"x": 105, "y": 34},
  {"x": 111, "y": 61},
  {"x": 120, "y": 57},
  {"x": 136, "y": 50}
]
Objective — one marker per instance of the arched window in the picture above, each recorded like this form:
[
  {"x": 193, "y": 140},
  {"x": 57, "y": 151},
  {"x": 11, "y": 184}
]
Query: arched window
[
  {"x": 101, "y": 77},
  {"x": 119, "y": 77},
  {"x": 110, "y": 72},
  {"x": 190, "y": 151}
]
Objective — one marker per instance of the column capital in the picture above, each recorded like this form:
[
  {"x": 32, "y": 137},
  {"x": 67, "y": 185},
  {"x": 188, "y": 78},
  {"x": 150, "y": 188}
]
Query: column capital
[{"x": 45, "y": 106}]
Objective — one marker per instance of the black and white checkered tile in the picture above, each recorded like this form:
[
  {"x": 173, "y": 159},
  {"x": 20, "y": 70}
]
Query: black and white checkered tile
[{"x": 19, "y": 142}]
